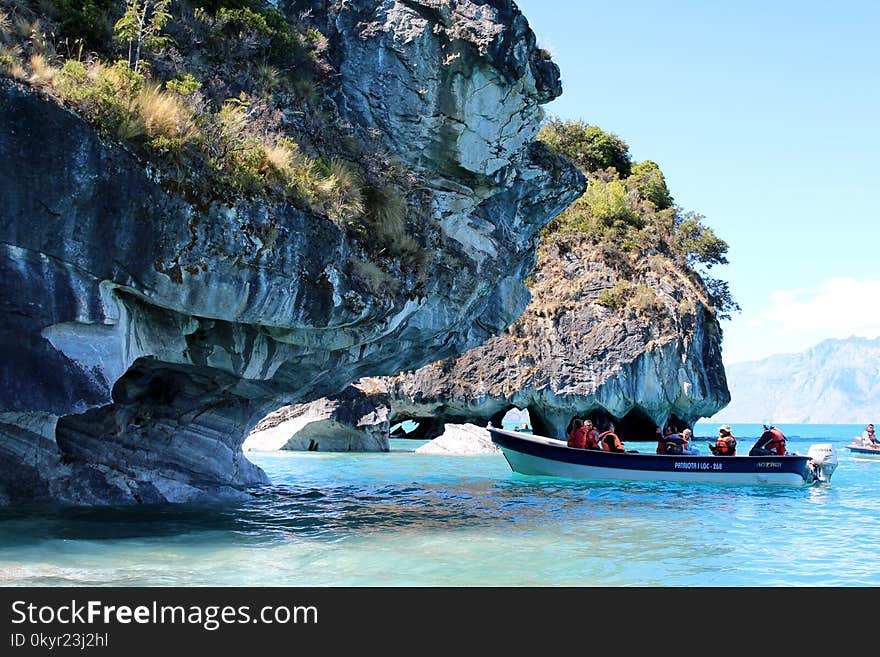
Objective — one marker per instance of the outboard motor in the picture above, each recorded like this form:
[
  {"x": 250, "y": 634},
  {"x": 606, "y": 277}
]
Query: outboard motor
[{"x": 823, "y": 460}]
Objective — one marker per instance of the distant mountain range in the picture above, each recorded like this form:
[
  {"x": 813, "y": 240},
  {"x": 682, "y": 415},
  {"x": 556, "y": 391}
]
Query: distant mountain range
[{"x": 835, "y": 382}]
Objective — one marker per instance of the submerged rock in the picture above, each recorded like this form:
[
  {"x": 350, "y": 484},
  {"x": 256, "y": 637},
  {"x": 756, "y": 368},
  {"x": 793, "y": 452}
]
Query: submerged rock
[{"x": 145, "y": 334}]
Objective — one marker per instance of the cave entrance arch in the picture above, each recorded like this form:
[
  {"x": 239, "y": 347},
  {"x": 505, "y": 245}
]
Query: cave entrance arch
[
  {"x": 418, "y": 428},
  {"x": 514, "y": 418},
  {"x": 636, "y": 426},
  {"x": 403, "y": 428}
]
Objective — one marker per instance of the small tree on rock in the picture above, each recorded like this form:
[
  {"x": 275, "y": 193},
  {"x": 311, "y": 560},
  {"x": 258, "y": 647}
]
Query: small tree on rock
[{"x": 140, "y": 26}]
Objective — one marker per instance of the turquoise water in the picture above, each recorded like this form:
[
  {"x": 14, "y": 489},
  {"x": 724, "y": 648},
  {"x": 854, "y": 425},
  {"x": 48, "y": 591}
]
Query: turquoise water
[{"x": 407, "y": 519}]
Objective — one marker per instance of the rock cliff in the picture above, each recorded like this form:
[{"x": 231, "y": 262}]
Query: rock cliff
[
  {"x": 145, "y": 333},
  {"x": 653, "y": 358}
]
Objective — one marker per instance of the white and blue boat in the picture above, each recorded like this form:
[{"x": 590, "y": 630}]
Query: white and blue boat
[
  {"x": 862, "y": 451},
  {"x": 546, "y": 457}
]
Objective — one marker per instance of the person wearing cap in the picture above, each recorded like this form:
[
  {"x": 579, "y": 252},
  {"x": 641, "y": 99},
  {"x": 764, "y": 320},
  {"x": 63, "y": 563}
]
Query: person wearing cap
[
  {"x": 771, "y": 442},
  {"x": 725, "y": 445}
]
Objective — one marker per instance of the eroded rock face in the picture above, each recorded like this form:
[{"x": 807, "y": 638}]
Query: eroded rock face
[
  {"x": 655, "y": 360},
  {"x": 144, "y": 335}
]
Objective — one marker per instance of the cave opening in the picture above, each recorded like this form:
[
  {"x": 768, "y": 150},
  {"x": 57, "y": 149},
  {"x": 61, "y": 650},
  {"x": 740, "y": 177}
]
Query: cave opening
[
  {"x": 403, "y": 428},
  {"x": 517, "y": 419},
  {"x": 636, "y": 426},
  {"x": 421, "y": 428}
]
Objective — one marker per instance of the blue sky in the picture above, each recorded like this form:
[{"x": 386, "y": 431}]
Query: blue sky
[{"x": 765, "y": 118}]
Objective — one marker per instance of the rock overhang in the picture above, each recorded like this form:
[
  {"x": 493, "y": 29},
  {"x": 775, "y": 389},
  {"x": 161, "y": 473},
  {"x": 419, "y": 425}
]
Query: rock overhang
[{"x": 147, "y": 329}]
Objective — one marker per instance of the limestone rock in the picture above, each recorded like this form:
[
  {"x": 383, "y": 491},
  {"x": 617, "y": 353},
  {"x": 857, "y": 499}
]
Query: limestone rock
[
  {"x": 570, "y": 356},
  {"x": 144, "y": 334},
  {"x": 461, "y": 439},
  {"x": 355, "y": 420}
]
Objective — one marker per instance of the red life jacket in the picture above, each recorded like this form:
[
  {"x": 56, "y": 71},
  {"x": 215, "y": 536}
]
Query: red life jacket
[
  {"x": 777, "y": 442},
  {"x": 577, "y": 438}
]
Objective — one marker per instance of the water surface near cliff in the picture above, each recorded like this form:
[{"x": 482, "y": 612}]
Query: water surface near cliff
[{"x": 403, "y": 518}]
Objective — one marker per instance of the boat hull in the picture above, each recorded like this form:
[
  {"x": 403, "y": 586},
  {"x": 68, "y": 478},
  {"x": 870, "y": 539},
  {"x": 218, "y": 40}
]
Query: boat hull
[
  {"x": 539, "y": 456},
  {"x": 864, "y": 452}
]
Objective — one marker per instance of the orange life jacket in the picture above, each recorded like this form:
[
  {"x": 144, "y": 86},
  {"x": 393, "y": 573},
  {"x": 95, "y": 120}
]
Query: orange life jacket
[
  {"x": 610, "y": 442},
  {"x": 726, "y": 445}
]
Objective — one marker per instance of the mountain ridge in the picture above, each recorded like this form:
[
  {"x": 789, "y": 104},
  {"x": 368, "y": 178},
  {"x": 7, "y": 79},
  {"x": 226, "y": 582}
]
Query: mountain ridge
[{"x": 835, "y": 381}]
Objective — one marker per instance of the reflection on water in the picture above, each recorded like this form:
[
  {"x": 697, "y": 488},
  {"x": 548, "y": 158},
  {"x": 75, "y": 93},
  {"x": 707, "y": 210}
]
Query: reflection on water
[{"x": 411, "y": 519}]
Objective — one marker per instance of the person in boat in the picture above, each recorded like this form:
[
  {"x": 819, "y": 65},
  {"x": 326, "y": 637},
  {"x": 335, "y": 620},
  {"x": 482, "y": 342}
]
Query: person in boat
[
  {"x": 771, "y": 442},
  {"x": 688, "y": 436},
  {"x": 868, "y": 437},
  {"x": 609, "y": 440},
  {"x": 725, "y": 445},
  {"x": 583, "y": 435},
  {"x": 577, "y": 435},
  {"x": 592, "y": 435},
  {"x": 673, "y": 442}
]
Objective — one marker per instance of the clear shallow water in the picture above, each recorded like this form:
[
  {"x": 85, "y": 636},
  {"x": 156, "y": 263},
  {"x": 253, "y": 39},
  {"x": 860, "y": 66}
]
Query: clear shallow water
[{"x": 406, "y": 519}]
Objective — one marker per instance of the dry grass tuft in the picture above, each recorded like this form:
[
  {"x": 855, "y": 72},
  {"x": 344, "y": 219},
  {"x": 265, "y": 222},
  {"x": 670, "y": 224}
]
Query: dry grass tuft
[
  {"x": 280, "y": 157},
  {"x": 163, "y": 113},
  {"x": 10, "y": 62},
  {"x": 42, "y": 73},
  {"x": 341, "y": 192}
]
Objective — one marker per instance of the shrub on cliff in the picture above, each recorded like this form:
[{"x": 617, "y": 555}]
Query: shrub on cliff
[
  {"x": 591, "y": 148},
  {"x": 649, "y": 183},
  {"x": 628, "y": 215},
  {"x": 227, "y": 100}
]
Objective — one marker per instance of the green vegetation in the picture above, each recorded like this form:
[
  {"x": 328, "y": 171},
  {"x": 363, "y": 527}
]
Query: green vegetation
[
  {"x": 226, "y": 97},
  {"x": 141, "y": 26},
  {"x": 588, "y": 146},
  {"x": 628, "y": 213},
  {"x": 615, "y": 297}
]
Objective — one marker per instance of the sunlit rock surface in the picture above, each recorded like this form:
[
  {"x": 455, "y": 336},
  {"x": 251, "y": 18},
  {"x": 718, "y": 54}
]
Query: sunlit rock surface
[
  {"x": 461, "y": 440},
  {"x": 569, "y": 356}
]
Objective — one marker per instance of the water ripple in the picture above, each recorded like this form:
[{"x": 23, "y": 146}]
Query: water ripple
[{"x": 411, "y": 519}]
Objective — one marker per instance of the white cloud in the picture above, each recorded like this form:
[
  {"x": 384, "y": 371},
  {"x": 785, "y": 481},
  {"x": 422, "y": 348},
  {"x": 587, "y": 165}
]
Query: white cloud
[
  {"x": 796, "y": 320},
  {"x": 838, "y": 308}
]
